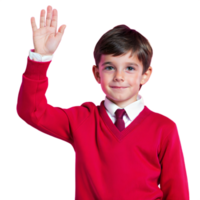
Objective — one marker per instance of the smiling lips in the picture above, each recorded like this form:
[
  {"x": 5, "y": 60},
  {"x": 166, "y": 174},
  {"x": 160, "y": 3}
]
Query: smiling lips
[{"x": 118, "y": 87}]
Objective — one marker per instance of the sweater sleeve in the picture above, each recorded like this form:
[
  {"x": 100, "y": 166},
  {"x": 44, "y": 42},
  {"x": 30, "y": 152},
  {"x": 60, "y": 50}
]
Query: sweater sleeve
[
  {"x": 32, "y": 104},
  {"x": 173, "y": 178}
]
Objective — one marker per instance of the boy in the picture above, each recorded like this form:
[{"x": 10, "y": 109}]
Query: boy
[{"x": 123, "y": 149}]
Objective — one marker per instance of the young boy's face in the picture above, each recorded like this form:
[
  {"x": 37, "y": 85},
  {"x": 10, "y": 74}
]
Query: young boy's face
[{"x": 119, "y": 72}]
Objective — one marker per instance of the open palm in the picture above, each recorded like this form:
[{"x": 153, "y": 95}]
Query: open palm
[{"x": 46, "y": 39}]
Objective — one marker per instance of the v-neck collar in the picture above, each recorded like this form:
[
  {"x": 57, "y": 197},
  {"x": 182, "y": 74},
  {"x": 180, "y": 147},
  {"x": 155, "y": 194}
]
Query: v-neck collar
[{"x": 120, "y": 135}]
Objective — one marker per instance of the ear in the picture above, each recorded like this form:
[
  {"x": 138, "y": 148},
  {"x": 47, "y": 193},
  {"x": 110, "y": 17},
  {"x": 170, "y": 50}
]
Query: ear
[
  {"x": 96, "y": 73},
  {"x": 146, "y": 75}
]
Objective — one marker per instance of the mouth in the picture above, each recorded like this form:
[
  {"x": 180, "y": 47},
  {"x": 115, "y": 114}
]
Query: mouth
[{"x": 119, "y": 88}]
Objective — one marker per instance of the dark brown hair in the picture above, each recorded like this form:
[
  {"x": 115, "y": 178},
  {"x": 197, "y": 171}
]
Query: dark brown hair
[{"x": 122, "y": 39}]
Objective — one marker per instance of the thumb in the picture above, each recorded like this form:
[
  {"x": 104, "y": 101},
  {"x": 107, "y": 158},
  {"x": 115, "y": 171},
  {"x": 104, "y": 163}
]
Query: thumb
[
  {"x": 61, "y": 31},
  {"x": 65, "y": 27}
]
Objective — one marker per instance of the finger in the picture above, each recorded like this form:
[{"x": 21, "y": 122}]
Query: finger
[
  {"x": 48, "y": 15},
  {"x": 33, "y": 24},
  {"x": 54, "y": 20},
  {"x": 61, "y": 31},
  {"x": 60, "y": 35},
  {"x": 42, "y": 18}
]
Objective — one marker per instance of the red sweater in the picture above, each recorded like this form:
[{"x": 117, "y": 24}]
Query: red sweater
[{"x": 110, "y": 165}]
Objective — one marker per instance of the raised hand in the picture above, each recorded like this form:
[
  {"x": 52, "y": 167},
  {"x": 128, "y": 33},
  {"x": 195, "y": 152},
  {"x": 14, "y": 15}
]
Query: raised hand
[{"x": 46, "y": 39}]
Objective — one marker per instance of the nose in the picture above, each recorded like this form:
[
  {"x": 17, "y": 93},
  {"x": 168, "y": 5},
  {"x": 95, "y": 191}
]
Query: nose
[{"x": 118, "y": 76}]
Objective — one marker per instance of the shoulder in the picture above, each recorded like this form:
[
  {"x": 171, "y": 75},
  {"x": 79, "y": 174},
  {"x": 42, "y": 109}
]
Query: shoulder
[
  {"x": 162, "y": 120},
  {"x": 165, "y": 128},
  {"x": 89, "y": 105}
]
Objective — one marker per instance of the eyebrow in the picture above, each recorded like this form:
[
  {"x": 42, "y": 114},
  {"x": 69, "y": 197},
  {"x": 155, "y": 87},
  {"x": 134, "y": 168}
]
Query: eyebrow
[{"x": 129, "y": 63}]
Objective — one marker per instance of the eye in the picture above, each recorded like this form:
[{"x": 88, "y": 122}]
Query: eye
[
  {"x": 107, "y": 67},
  {"x": 132, "y": 68},
  {"x": 127, "y": 67}
]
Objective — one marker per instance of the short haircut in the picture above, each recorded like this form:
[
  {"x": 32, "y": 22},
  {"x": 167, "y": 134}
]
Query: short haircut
[{"x": 120, "y": 40}]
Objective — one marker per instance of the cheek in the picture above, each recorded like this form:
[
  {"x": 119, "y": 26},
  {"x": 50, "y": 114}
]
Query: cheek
[
  {"x": 134, "y": 80},
  {"x": 105, "y": 79}
]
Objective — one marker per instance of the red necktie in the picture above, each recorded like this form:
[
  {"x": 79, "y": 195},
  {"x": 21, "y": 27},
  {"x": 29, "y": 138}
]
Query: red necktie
[{"x": 119, "y": 123}]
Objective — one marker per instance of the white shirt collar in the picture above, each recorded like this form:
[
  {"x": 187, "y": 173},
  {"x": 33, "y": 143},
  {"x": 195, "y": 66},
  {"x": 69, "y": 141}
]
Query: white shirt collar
[{"x": 132, "y": 109}]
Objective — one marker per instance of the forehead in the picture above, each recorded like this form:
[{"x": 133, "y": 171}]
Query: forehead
[{"x": 120, "y": 60}]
